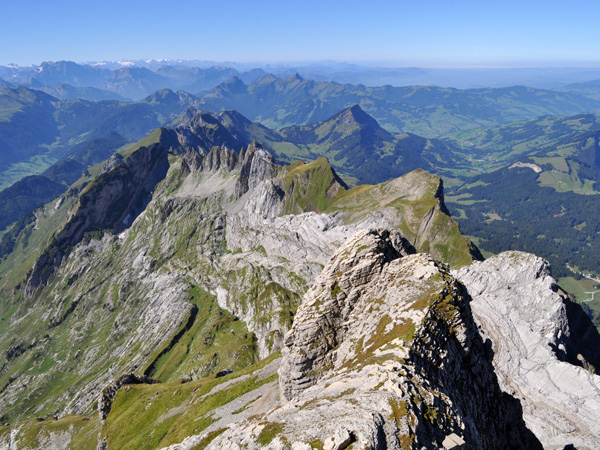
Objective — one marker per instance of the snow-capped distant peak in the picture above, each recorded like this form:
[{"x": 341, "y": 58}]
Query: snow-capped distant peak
[{"x": 160, "y": 60}]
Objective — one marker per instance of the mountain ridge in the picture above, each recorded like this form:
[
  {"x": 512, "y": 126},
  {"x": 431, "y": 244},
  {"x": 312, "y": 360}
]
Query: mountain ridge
[
  {"x": 177, "y": 259},
  {"x": 428, "y": 376},
  {"x": 245, "y": 200},
  {"x": 423, "y": 110}
]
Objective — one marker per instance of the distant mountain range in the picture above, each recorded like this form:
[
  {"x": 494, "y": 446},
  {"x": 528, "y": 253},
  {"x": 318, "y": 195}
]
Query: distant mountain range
[
  {"x": 354, "y": 143},
  {"x": 125, "y": 82},
  {"x": 37, "y": 129},
  {"x": 369, "y": 134},
  {"x": 182, "y": 74},
  {"x": 17, "y": 200},
  {"x": 424, "y": 110},
  {"x": 589, "y": 89}
]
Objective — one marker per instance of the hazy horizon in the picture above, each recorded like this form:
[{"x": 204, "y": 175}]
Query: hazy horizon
[
  {"x": 556, "y": 65},
  {"x": 429, "y": 34}
]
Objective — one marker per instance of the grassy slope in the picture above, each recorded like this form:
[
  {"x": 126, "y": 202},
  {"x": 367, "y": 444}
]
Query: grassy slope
[
  {"x": 138, "y": 419},
  {"x": 215, "y": 339},
  {"x": 78, "y": 432},
  {"x": 314, "y": 187},
  {"x": 149, "y": 416}
]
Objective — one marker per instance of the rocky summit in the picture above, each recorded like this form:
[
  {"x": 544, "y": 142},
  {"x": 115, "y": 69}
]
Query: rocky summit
[{"x": 192, "y": 293}]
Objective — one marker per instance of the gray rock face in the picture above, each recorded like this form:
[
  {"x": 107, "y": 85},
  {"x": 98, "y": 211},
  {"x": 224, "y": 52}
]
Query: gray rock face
[
  {"x": 383, "y": 353},
  {"x": 109, "y": 203},
  {"x": 529, "y": 322},
  {"x": 322, "y": 322},
  {"x": 301, "y": 243},
  {"x": 307, "y": 237},
  {"x": 388, "y": 348},
  {"x": 256, "y": 166}
]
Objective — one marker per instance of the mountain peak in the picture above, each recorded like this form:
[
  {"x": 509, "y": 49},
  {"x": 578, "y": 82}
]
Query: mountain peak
[
  {"x": 294, "y": 77},
  {"x": 161, "y": 95},
  {"x": 204, "y": 121},
  {"x": 234, "y": 85},
  {"x": 234, "y": 79},
  {"x": 234, "y": 116},
  {"x": 265, "y": 79},
  {"x": 356, "y": 114}
]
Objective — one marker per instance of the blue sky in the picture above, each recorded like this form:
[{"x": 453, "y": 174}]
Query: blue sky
[{"x": 389, "y": 33}]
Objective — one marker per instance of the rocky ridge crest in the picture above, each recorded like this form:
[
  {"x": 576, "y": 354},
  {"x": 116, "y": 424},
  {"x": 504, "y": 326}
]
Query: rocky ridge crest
[
  {"x": 383, "y": 353},
  {"x": 389, "y": 350},
  {"x": 509, "y": 367},
  {"x": 545, "y": 348}
]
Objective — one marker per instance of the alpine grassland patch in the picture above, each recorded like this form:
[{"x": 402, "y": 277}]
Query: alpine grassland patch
[
  {"x": 582, "y": 290},
  {"x": 17, "y": 171},
  {"x": 210, "y": 339},
  {"x": 158, "y": 415},
  {"x": 270, "y": 431},
  {"x": 307, "y": 186},
  {"x": 147, "y": 141},
  {"x": 79, "y": 432}
]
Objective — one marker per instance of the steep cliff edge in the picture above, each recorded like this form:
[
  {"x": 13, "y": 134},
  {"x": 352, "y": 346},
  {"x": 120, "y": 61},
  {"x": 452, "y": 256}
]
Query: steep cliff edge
[
  {"x": 545, "y": 348},
  {"x": 110, "y": 202},
  {"x": 383, "y": 354}
]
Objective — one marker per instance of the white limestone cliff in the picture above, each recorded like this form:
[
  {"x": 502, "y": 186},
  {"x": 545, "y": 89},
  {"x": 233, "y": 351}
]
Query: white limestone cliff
[{"x": 527, "y": 318}]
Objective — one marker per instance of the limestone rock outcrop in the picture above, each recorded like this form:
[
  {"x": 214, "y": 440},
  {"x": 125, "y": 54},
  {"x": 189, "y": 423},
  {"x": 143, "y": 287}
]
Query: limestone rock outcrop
[
  {"x": 545, "y": 349},
  {"x": 110, "y": 392},
  {"x": 111, "y": 202},
  {"x": 327, "y": 318},
  {"x": 383, "y": 353},
  {"x": 389, "y": 349}
]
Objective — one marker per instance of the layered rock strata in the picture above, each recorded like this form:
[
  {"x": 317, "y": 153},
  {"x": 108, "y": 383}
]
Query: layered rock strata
[
  {"x": 389, "y": 350},
  {"x": 384, "y": 353},
  {"x": 544, "y": 347}
]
